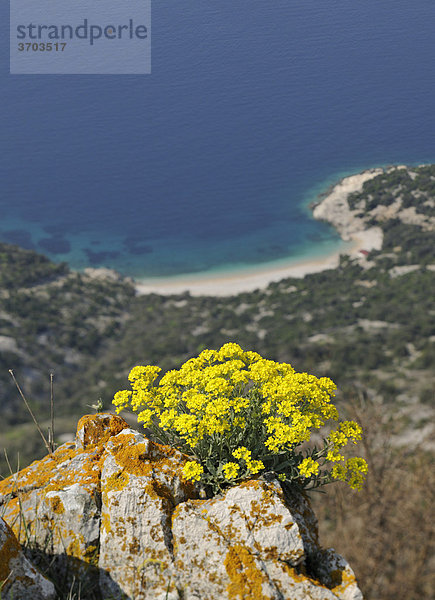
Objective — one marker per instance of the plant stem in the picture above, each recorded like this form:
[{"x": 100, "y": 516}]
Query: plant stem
[{"x": 30, "y": 411}]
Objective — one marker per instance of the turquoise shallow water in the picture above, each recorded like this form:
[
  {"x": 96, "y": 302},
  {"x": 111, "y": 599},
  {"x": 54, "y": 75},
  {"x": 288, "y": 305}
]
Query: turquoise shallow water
[{"x": 252, "y": 109}]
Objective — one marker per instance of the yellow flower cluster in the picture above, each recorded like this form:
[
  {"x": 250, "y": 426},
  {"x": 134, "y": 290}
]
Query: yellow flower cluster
[
  {"x": 308, "y": 467},
  {"x": 253, "y": 466},
  {"x": 227, "y": 396},
  {"x": 231, "y": 470},
  {"x": 352, "y": 472},
  {"x": 192, "y": 470},
  {"x": 347, "y": 431}
]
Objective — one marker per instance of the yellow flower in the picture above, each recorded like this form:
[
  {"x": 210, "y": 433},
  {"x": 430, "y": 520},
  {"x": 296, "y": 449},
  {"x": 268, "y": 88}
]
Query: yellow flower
[
  {"x": 351, "y": 430},
  {"x": 192, "y": 471},
  {"x": 231, "y": 470},
  {"x": 145, "y": 417},
  {"x": 338, "y": 439},
  {"x": 356, "y": 471},
  {"x": 308, "y": 467},
  {"x": 230, "y": 350},
  {"x": 121, "y": 400},
  {"x": 255, "y": 466},
  {"x": 221, "y": 397},
  {"x": 242, "y": 453},
  {"x": 334, "y": 456},
  {"x": 148, "y": 373},
  {"x": 353, "y": 472}
]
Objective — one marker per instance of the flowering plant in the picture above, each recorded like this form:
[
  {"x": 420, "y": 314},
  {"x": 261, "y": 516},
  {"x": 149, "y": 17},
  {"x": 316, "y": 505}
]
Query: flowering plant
[{"x": 237, "y": 414}]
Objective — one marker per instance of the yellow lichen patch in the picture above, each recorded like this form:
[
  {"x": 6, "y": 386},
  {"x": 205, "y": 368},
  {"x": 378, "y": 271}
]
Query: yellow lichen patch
[
  {"x": 137, "y": 459},
  {"x": 264, "y": 517},
  {"x": 134, "y": 547},
  {"x": 148, "y": 459},
  {"x": 105, "y": 522},
  {"x": 75, "y": 548},
  {"x": 8, "y": 550},
  {"x": 39, "y": 473},
  {"x": 117, "y": 481},
  {"x": 299, "y": 575},
  {"x": 163, "y": 491},
  {"x": 56, "y": 505},
  {"x": 340, "y": 580},
  {"x": 14, "y": 514},
  {"x": 51, "y": 473},
  {"x": 131, "y": 456},
  {"x": 246, "y": 579},
  {"x": 98, "y": 429},
  {"x": 156, "y": 533},
  {"x": 91, "y": 555}
]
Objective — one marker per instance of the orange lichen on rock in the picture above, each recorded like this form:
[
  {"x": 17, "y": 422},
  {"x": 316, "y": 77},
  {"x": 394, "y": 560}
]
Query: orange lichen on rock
[
  {"x": 341, "y": 580},
  {"x": 117, "y": 481},
  {"x": 334, "y": 572},
  {"x": 95, "y": 430},
  {"x": 91, "y": 555},
  {"x": 105, "y": 522},
  {"x": 149, "y": 459},
  {"x": 75, "y": 548},
  {"x": 118, "y": 501},
  {"x": 140, "y": 458},
  {"x": 69, "y": 464},
  {"x": 57, "y": 505},
  {"x": 52, "y": 472},
  {"x": 9, "y": 549},
  {"x": 246, "y": 578},
  {"x": 132, "y": 457}
]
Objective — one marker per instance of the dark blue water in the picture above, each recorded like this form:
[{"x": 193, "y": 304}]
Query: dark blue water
[{"x": 252, "y": 108}]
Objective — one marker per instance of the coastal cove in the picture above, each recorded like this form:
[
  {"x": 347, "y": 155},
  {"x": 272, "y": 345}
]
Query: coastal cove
[
  {"x": 205, "y": 168},
  {"x": 356, "y": 240}
]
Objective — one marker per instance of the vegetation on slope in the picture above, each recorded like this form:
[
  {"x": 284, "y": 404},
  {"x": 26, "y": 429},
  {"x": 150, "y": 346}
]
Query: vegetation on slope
[{"x": 369, "y": 325}]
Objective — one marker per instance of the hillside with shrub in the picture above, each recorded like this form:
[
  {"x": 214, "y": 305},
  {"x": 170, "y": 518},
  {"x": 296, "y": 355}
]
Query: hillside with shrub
[{"x": 368, "y": 324}]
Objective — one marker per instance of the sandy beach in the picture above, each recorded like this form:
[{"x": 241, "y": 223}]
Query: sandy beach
[
  {"x": 332, "y": 208},
  {"x": 241, "y": 281}
]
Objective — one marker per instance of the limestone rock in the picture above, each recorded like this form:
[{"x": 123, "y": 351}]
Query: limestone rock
[
  {"x": 248, "y": 544},
  {"x": 335, "y": 571},
  {"x": 115, "y": 505},
  {"x": 141, "y": 484},
  {"x": 18, "y": 577}
]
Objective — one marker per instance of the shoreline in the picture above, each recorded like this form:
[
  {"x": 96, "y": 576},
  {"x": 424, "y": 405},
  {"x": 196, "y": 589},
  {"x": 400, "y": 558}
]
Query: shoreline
[{"x": 332, "y": 207}]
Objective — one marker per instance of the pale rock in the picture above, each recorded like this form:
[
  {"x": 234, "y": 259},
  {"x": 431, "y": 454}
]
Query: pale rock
[
  {"x": 336, "y": 572},
  {"x": 141, "y": 484},
  {"x": 115, "y": 503},
  {"x": 248, "y": 543},
  {"x": 103, "y": 273},
  {"x": 56, "y": 502},
  {"x": 334, "y": 208},
  {"x": 9, "y": 344},
  {"x": 19, "y": 579}
]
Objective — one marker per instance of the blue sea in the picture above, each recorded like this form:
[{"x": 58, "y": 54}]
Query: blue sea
[{"x": 209, "y": 163}]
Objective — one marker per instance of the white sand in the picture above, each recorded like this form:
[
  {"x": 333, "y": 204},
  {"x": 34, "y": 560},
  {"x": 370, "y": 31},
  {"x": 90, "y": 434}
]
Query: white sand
[
  {"x": 333, "y": 208},
  {"x": 229, "y": 284}
]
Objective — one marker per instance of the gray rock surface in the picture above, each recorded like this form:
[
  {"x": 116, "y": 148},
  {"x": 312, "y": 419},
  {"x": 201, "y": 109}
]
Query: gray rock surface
[
  {"x": 116, "y": 502},
  {"x": 19, "y": 579}
]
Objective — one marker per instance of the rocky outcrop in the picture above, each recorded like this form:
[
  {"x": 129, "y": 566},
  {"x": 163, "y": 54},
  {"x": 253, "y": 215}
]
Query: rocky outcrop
[
  {"x": 115, "y": 504},
  {"x": 360, "y": 221},
  {"x": 334, "y": 208},
  {"x": 18, "y": 577}
]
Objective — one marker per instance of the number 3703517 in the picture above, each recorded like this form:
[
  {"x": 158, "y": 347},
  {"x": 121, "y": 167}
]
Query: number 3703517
[{"x": 41, "y": 46}]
